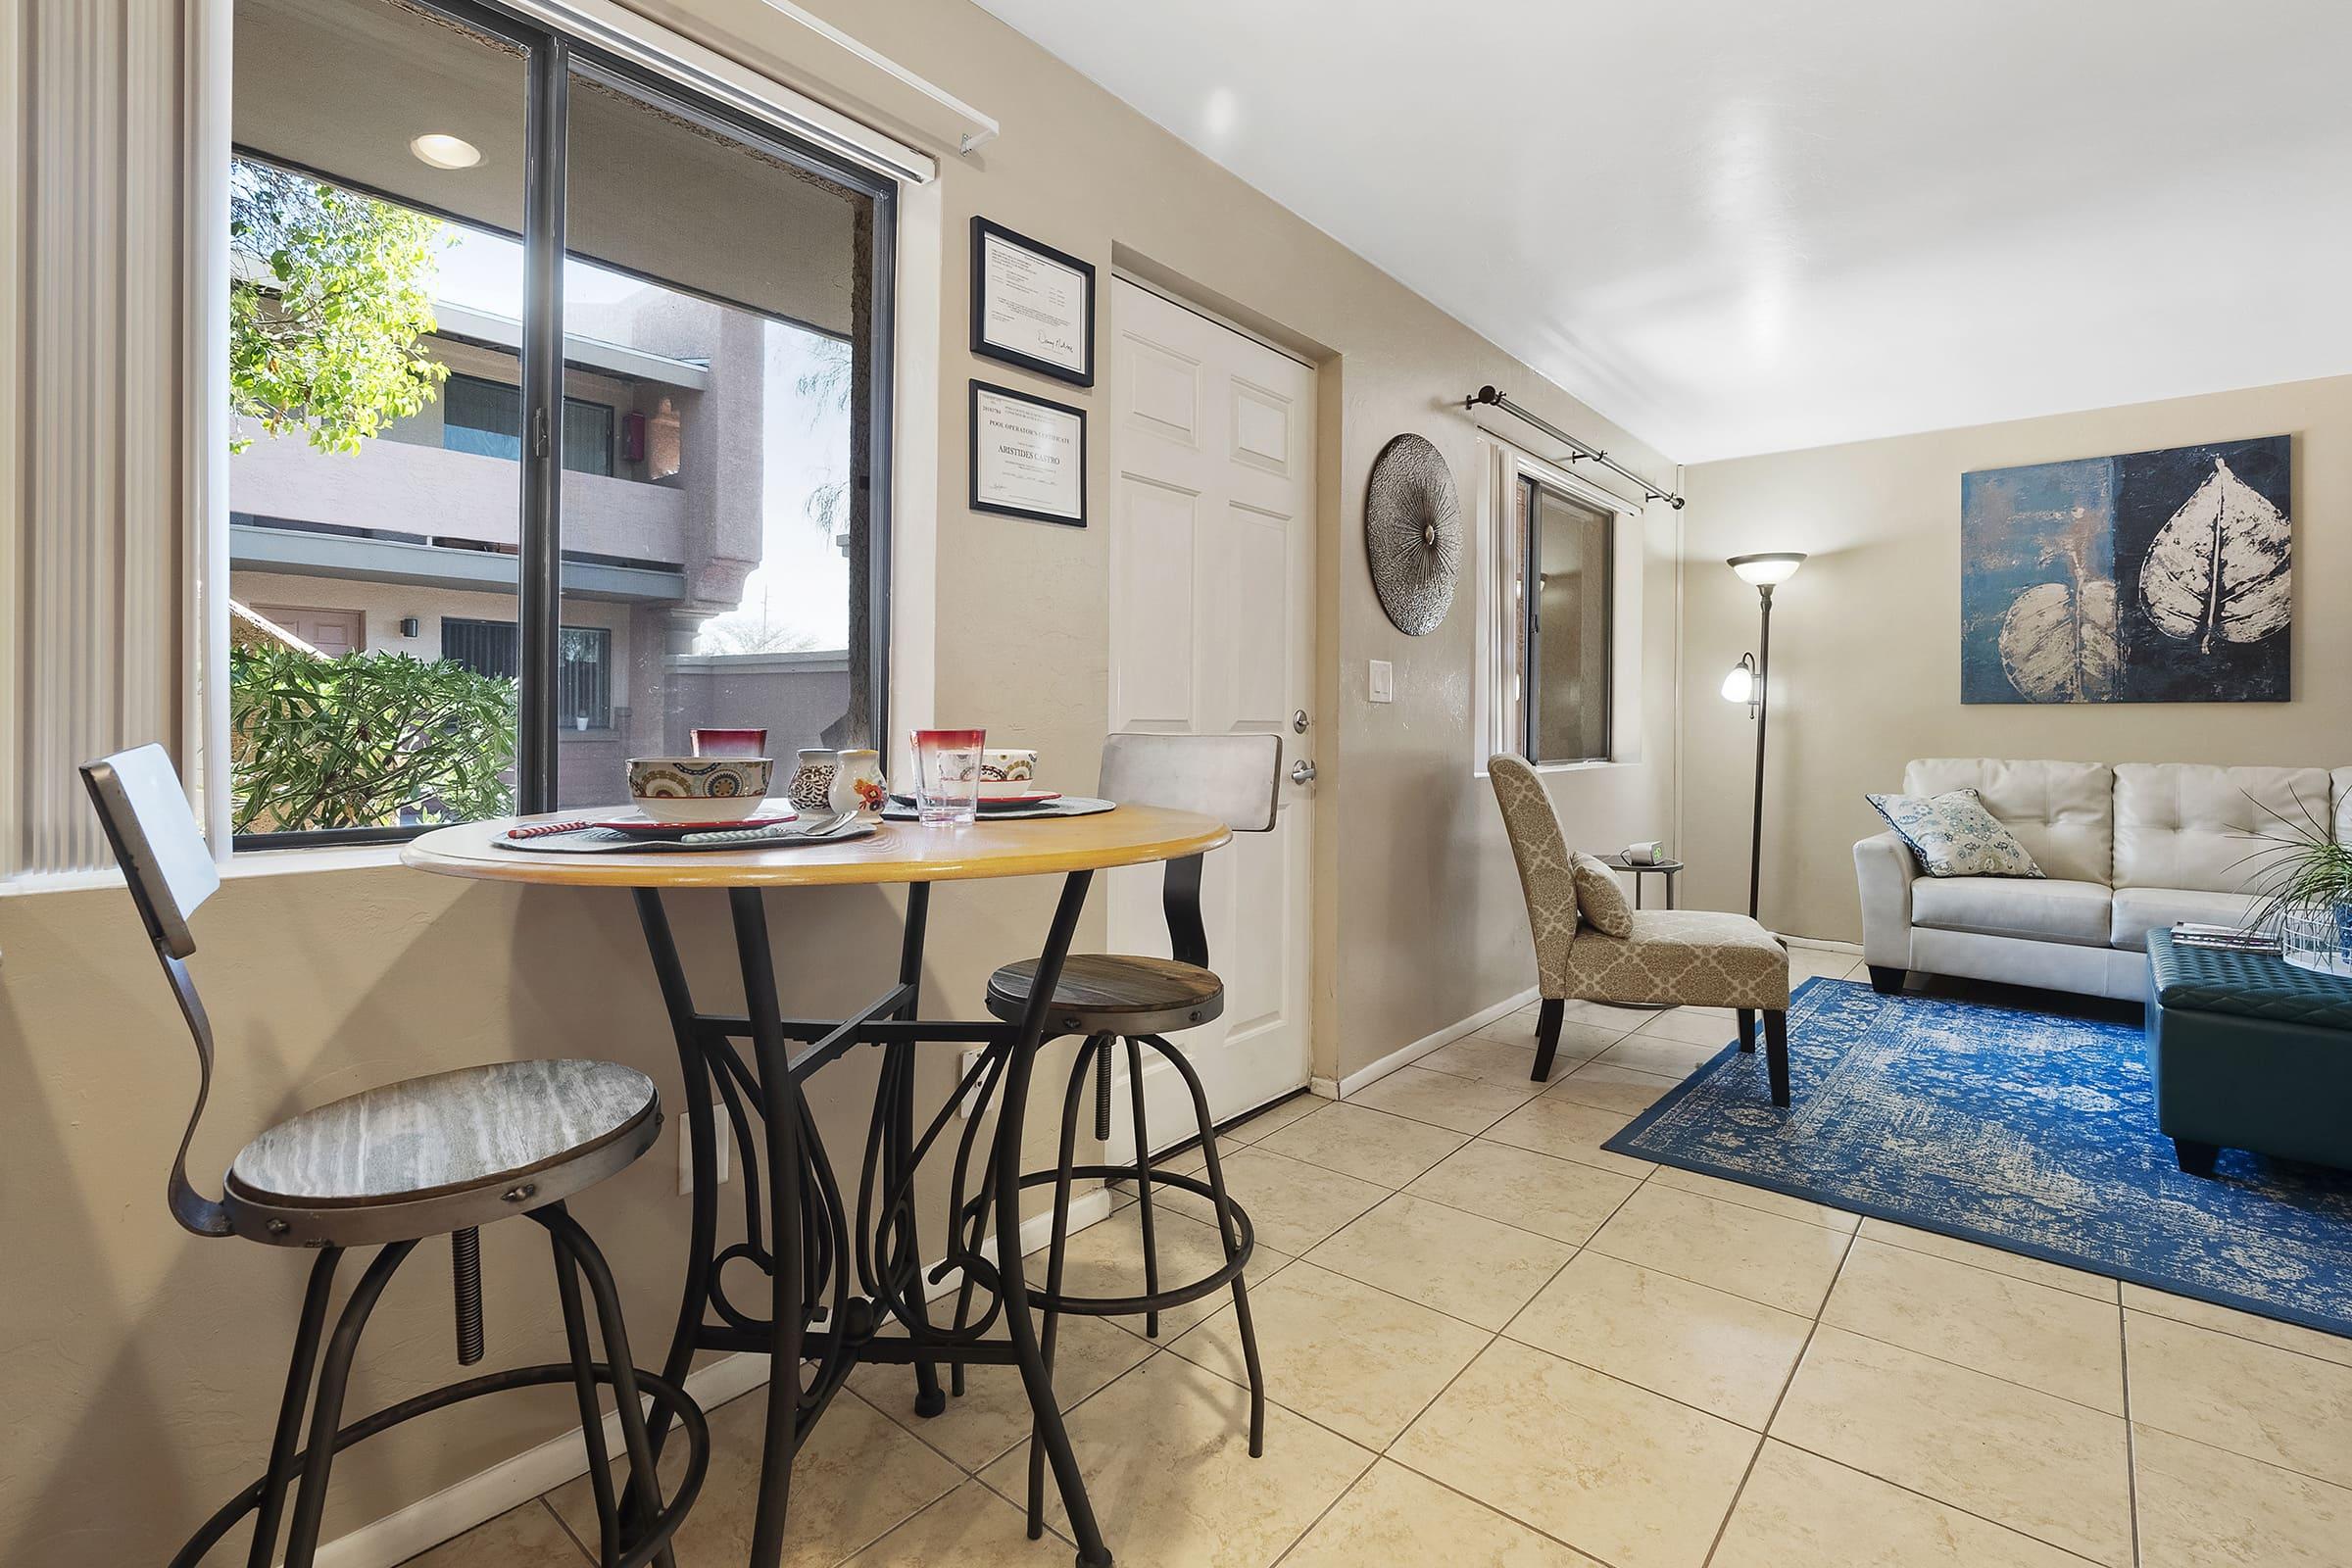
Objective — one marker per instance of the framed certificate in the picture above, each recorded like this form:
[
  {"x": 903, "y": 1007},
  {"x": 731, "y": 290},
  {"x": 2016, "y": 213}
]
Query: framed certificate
[
  {"x": 1032, "y": 305},
  {"x": 1028, "y": 457}
]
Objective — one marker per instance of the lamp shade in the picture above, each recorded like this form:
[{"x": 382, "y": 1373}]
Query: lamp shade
[
  {"x": 1740, "y": 686},
  {"x": 1766, "y": 570}
]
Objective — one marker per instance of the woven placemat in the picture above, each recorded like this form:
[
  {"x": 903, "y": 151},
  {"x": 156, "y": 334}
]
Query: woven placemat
[{"x": 612, "y": 841}]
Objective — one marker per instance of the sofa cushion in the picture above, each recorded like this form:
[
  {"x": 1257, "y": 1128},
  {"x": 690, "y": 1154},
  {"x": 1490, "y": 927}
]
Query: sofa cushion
[
  {"x": 2343, "y": 804},
  {"x": 2062, "y": 812},
  {"x": 1953, "y": 835},
  {"x": 2049, "y": 910},
  {"x": 2139, "y": 911},
  {"x": 2194, "y": 827}
]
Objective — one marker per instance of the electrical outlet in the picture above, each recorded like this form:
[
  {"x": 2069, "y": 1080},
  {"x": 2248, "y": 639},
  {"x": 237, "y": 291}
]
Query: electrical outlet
[
  {"x": 1381, "y": 684},
  {"x": 686, "y": 1152}
]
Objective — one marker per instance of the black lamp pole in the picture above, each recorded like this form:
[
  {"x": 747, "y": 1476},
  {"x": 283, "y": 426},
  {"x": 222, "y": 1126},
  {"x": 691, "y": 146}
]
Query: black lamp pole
[
  {"x": 1755, "y": 829},
  {"x": 1764, "y": 573}
]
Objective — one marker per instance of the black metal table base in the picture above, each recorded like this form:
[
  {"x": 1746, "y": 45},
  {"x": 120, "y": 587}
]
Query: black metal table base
[{"x": 838, "y": 1276}]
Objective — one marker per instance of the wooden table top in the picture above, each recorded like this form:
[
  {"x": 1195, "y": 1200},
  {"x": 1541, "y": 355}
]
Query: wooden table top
[{"x": 901, "y": 852}]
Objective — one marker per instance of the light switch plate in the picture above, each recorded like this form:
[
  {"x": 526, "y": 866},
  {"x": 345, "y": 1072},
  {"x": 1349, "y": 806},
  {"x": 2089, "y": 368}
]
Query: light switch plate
[{"x": 1380, "y": 685}]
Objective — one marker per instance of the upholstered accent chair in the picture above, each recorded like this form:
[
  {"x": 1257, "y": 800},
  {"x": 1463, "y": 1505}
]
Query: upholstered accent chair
[{"x": 1674, "y": 958}]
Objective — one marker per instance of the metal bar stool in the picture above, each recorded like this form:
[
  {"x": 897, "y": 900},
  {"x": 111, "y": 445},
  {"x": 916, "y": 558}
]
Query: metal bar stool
[
  {"x": 440, "y": 1155},
  {"x": 1117, "y": 999}
]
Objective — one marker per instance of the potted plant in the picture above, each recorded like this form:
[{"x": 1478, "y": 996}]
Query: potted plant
[{"x": 2306, "y": 879}]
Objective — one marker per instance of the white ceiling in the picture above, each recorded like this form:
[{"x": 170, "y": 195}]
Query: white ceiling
[{"x": 1749, "y": 225}]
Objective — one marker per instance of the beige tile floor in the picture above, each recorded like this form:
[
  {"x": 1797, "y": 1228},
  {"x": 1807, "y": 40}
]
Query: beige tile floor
[{"x": 1489, "y": 1341}]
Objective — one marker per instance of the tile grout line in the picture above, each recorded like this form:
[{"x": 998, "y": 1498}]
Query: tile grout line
[
  {"x": 569, "y": 1534},
  {"x": 1946, "y": 1503},
  {"x": 2123, "y": 1337},
  {"x": 1722, "y": 1526}
]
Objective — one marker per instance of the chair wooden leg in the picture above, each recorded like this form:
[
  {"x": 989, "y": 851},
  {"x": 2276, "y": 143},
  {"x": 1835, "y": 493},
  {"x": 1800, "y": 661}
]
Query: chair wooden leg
[
  {"x": 1547, "y": 1037},
  {"x": 1776, "y": 1054},
  {"x": 1747, "y": 1030},
  {"x": 1887, "y": 982}
]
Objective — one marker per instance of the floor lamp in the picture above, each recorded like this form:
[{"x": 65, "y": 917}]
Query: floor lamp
[{"x": 1749, "y": 683}]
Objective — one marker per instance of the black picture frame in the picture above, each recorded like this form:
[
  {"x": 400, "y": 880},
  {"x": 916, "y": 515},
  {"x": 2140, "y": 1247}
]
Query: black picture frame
[
  {"x": 984, "y": 230},
  {"x": 972, "y": 454}
]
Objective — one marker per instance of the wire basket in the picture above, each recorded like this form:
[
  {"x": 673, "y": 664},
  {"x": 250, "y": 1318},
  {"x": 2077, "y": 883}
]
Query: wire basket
[{"x": 2318, "y": 939}]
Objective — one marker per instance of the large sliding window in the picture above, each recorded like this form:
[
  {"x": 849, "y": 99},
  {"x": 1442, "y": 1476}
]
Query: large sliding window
[{"x": 459, "y": 236}]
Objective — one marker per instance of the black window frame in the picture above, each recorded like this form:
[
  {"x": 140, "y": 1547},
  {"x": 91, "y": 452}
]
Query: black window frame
[
  {"x": 553, "y": 57},
  {"x": 1531, "y": 622}
]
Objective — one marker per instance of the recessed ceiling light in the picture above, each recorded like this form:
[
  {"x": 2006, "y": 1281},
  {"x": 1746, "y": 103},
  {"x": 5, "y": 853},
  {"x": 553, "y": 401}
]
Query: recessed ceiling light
[{"x": 446, "y": 152}]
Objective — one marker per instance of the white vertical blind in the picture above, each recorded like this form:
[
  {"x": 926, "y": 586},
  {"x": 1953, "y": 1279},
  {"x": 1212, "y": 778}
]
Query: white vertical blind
[{"x": 94, "y": 521}]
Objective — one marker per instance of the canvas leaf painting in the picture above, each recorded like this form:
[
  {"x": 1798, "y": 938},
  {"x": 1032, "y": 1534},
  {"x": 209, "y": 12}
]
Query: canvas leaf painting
[{"x": 2149, "y": 577}]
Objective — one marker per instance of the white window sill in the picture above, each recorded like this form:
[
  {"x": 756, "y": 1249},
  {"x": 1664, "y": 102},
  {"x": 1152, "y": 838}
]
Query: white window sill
[
  {"x": 323, "y": 858},
  {"x": 1543, "y": 770}
]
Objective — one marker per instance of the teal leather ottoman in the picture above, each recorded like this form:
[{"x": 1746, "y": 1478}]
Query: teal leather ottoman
[{"x": 2248, "y": 1052}]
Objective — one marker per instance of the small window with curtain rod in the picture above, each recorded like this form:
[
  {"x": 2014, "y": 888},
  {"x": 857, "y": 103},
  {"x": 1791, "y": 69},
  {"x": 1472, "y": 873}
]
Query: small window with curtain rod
[{"x": 562, "y": 514}]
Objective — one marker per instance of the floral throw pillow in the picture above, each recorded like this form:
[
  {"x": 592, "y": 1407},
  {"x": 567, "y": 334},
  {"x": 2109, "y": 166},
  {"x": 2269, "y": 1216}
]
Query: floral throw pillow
[
  {"x": 1599, "y": 901},
  {"x": 1953, "y": 835}
]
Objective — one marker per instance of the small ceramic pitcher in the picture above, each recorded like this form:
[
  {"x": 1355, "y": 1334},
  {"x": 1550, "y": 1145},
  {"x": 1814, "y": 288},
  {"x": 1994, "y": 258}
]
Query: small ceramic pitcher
[
  {"x": 811, "y": 788},
  {"x": 858, "y": 785}
]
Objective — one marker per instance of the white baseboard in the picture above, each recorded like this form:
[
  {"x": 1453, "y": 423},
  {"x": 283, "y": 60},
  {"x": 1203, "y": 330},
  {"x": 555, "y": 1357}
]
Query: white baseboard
[
  {"x": 1405, "y": 1056},
  {"x": 482, "y": 1496},
  {"x": 1822, "y": 944}
]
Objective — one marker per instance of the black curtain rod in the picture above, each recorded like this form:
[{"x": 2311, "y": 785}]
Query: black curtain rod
[{"x": 1578, "y": 450}]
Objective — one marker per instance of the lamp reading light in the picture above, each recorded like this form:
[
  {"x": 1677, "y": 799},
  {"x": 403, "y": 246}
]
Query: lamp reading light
[{"x": 1740, "y": 686}]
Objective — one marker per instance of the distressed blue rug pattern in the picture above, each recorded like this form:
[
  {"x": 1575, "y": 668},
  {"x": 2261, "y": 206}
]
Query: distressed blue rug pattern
[{"x": 2026, "y": 1131}]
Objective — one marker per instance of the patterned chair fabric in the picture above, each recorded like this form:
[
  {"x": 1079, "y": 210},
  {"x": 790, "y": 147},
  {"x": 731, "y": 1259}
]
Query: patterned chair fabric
[
  {"x": 1547, "y": 869},
  {"x": 1692, "y": 958}
]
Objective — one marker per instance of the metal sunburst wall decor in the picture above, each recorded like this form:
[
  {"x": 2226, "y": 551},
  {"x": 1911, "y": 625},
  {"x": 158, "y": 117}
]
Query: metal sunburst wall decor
[{"x": 1413, "y": 534}]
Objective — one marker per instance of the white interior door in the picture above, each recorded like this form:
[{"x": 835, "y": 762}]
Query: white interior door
[{"x": 1212, "y": 633}]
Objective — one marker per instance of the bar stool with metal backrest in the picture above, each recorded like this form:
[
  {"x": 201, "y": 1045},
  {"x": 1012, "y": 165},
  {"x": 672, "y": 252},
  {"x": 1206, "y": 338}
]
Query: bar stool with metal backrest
[
  {"x": 1125, "y": 998},
  {"x": 440, "y": 1155}
]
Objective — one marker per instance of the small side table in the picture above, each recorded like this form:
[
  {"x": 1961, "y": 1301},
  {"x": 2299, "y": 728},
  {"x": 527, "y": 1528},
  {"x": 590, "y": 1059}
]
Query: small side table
[{"x": 1668, "y": 870}]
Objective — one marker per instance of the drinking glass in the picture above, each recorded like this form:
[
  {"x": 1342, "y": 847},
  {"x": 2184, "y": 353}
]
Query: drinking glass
[{"x": 947, "y": 775}]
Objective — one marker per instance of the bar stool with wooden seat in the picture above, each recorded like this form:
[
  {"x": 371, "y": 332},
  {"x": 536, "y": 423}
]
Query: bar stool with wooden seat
[
  {"x": 1133, "y": 1000},
  {"x": 439, "y": 1155}
]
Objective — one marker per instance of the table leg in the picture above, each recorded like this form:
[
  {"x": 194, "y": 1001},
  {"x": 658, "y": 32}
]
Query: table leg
[
  {"x": 899, "y": 1142},
  {"x": 783, "y": 1123},
  {"x": 1670, "y": 876},
  {"x": 702, "y": 1129},
  {"x": 1011, "y": 1110}
]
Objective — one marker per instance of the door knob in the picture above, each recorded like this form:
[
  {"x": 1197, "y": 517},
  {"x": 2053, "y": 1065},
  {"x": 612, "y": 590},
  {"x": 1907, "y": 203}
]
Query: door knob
[{"x": 1302, "y": 771}]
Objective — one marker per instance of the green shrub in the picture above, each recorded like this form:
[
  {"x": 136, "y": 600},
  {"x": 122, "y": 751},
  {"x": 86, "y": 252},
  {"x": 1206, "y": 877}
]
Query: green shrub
[{"x": 360, "y": 740}]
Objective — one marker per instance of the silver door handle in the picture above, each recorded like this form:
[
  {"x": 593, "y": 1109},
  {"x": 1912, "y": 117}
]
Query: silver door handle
[{"x": 1302, "y": 771}]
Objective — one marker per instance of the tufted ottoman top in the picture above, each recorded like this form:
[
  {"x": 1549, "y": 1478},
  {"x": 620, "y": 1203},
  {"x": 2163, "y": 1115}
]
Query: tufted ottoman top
[{"x": 2251, "y": 985}]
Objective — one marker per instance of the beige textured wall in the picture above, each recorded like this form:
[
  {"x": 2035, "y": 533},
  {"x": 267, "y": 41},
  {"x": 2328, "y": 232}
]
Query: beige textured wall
[
  {"x": 1865, "y": 647},
  {"x": 147, "y": 1355},
  {"x": 1421, "y": 908}
]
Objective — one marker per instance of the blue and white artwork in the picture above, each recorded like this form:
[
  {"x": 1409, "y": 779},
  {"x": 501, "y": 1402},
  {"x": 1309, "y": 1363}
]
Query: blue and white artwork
[{"x": 2150, "y": 577}]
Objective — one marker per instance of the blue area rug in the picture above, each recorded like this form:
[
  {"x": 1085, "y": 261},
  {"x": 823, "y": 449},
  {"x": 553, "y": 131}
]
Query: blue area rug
[{"x": 2026, "y": 1131}]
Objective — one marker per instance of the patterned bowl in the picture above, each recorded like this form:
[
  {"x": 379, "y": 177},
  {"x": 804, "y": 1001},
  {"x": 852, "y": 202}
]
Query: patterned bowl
[{"x": 699, "y": 789}]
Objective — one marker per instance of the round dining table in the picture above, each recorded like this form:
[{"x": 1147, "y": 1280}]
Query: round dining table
[{"x": 837, "y": 1275}]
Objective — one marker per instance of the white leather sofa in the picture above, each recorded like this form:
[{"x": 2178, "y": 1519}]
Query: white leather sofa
[{"x": 2122, "y": 848}]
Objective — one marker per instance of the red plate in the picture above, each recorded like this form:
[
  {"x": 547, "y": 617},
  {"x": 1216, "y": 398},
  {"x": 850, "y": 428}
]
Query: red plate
[
  {"x": 1026, "y": 798},
  {"x": 647, "y": 827}
]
